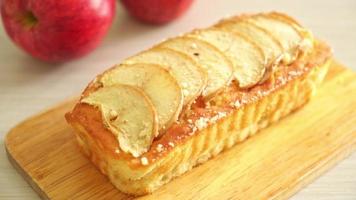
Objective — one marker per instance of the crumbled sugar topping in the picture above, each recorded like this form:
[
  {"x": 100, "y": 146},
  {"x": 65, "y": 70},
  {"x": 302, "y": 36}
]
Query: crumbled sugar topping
[
  {"x": 135, "y": 154},
  {"x": 214, "y": 119},
  {"x": 237, "y": 103},
  {"x": 218, "y": 116},
  {"x": 194, "y": 46},
  {"x": 171, "y": 144},
  {"x": 254, "y": 98},
  {"x": 190, "y": 121},
  {"x": 221, "y": 115},
  {"x": 282, "y": 80},
  {"x": 201, "y": 123},
  {"x": 159, "y": 148},
  {"x": 287, "y": 58},
  {"x": 232, "y": 104},
  {"x": 113, "y": 114},
  {"x": 144, "y": 161},
  {"x": 293, "y": 73},
  {"x": 243, "y": 101},
  {"x": 117, "y": 151}
]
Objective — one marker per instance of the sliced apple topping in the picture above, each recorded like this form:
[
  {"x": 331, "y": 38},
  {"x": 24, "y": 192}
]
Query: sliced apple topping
[
  {"x": 190, "y": 77},
  {"x": 216, "y": 65},
  {"x": 281, "y": 38},
  {"x": 156, "y": 82},
  {"x": 129, "y": 114},
  {"x": 247, "y": 58},
  {"x": 270, "y": 45}
]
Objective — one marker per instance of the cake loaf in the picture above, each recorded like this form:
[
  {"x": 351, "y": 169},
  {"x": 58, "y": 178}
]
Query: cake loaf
[{"x": 161, "y": 112}]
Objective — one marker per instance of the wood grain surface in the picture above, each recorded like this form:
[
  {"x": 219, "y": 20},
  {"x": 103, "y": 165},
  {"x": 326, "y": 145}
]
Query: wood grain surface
[{"x": 274, "y": 164}]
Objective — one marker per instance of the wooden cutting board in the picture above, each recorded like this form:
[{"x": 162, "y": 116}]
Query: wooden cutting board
[{"x": 274, "y": 164}]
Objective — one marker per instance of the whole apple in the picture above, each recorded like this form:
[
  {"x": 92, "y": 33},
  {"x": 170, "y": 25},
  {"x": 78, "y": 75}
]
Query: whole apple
[
  {"x": 57, "y": 30},
  {"x": 156, "y": 11}
]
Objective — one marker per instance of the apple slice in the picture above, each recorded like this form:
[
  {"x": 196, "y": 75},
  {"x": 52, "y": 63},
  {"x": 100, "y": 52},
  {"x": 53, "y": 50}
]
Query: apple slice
[
  {"x": 307, "y": 42},
  {"x": 190, "y": 77},
  {"x": 305, "y": 34},
  {"x": 129, "y": 114},
  {"x": 216, "y": 65},
  {"x": 247, "y": 58},
  {"x": 270, "y": 45},
  {"x": 284, "y": 17},
  {"x": 287, "y": 34},
  {"x": 156, "y": 82}
]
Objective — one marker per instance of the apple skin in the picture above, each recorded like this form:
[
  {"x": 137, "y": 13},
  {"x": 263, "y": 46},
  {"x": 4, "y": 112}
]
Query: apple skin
[
  {"x": 156, "y": 11},
  {"x": 57, "y": 30}
]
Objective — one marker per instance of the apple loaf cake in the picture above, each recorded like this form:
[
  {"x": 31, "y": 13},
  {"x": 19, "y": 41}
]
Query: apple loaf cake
[{"x": 161, "y": 112}]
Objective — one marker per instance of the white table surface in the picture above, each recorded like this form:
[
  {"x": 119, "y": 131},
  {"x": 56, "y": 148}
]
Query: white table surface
[{"x": 28, "y": 86}]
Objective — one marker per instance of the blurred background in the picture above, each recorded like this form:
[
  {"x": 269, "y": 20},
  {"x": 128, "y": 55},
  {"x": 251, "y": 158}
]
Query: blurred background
[{"x": 28, "y": 86}]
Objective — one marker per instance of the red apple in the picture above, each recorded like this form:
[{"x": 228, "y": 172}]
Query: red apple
[
  {"x": 156, "y": 11},
  {"x": 57, "y": 30}
]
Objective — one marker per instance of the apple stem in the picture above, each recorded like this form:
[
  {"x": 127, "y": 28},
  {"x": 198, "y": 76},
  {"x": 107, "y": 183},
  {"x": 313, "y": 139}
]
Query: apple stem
[{"x": 29, "y": 19}]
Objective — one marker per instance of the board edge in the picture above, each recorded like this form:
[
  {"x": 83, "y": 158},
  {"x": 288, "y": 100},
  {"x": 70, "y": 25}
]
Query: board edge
[{"x": 25, "y": 175}]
